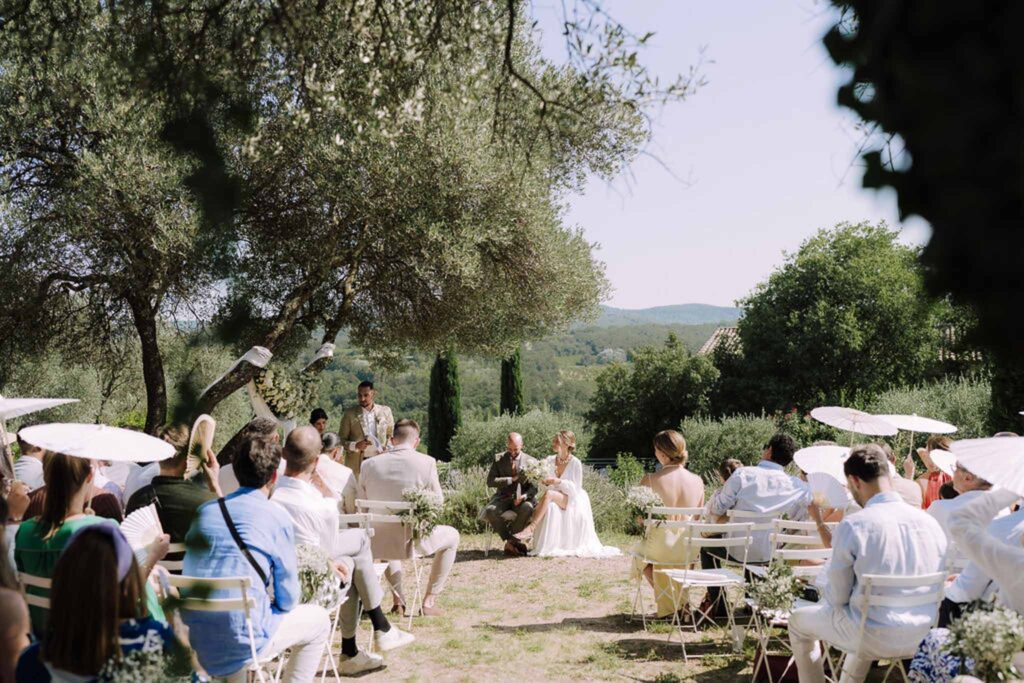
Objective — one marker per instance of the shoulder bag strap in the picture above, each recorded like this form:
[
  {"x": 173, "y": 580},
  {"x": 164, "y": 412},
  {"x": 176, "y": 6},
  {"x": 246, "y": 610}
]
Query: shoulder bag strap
[{"x": 240, "y": 543}]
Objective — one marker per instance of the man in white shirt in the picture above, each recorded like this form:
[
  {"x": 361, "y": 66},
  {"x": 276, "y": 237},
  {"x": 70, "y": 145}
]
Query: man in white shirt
[
  {"x": 315, "y": 519},
  {"x": 339, "y": 479},
  {"x": 887, "y": 537},
  {"x": 29, "y": 466},
  {"x": 909, "y": 490}
]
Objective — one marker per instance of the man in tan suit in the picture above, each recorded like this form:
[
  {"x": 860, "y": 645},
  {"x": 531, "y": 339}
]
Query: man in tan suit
[
  {"x": 365, "y": 429},
  {"x": 384, "y": 478}
]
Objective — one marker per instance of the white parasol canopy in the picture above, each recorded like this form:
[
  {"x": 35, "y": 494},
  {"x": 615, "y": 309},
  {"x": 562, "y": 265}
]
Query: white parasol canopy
[
  {"x": 945, "y": 460},
  {"x": 998, "y": 459},
  {"x": 11, "y": 408},
  {"x": 852, "y": 420},
  {"x": 918, "y": 424},
  {"x": 97, "y": 442},
  {"x": 824, "y": 459}
]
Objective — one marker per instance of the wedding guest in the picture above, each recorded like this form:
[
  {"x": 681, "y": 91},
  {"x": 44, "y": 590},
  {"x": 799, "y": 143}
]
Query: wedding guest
[
  {"x": 14, "y": 631},
  {"x": 259, "y": 428},
  {"x": 677, "y": 487},
  {"x": 947, "y": 491},
  {"x": 727, "y": 467},
  {"x": 365, "y": 428},
  {"x": 968, "y": 486},
  {"x": 98, "y": 613},
  {"x": 511, "y": 506},
  {"x": 278, "y": 621},
  {"x": 385, "y": 477},
  {"x": 315, "y": 518},
  {"x": 176, "y": 499},
  {"x": 338, "y": 478},
  {"x": 908, "y": 489},
  {"x": 887, "y": 537},
  {"x": 12, "y": 511},
  {"x": 102, "y": 503},
  {"x": 933, "y": 478},
  {"x": 139, "y": 477},
  {"x": 40, "y": 540},
  {"x": 318, "y": 418},
  {"x": 568, "y": 530},
  {"x": 29, "y": 465}
]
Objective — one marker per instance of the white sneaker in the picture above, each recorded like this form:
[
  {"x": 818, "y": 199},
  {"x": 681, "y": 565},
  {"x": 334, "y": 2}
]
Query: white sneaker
[
  {"x": 393, "y": 639},
  {"x": 363, "y": 661}
]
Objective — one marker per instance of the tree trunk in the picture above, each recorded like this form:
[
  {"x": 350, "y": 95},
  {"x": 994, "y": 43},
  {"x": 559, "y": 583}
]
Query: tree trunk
[
  {"x": 144, "y": 316},
  {"x": 444, "y": 411},
  {"x": 512, "y": 384}
]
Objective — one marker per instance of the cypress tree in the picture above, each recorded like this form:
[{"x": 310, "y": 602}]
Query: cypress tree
[
  {"x": 512, "y": 384},
  {"x": 444, "y": 411}
]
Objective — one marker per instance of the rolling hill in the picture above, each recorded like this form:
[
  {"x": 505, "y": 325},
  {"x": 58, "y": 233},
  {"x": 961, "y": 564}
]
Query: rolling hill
[{"x": 680, "y": 314}]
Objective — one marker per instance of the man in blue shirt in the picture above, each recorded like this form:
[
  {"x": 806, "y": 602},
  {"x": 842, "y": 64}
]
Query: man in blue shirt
[{"x": 279, "y": 622}]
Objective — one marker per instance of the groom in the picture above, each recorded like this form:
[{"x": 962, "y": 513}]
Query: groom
[{"x": 512, "y": 505}]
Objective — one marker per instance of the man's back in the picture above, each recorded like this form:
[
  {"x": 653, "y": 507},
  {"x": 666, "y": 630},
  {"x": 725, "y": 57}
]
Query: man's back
[
  {"x": 942, "y": 509},
  {"x": 385, "y": 477},
  {"x": 221, "y": 639},
  {"x": 887, "y": 537}
]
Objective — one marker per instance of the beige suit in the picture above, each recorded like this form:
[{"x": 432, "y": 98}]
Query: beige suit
[
  {"x": 351, "y": 432},
  {"x": 385, "y": 477}
]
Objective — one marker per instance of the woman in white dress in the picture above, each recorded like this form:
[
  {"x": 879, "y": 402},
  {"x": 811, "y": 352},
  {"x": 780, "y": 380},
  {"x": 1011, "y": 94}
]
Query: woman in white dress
[{"x": 563, "y": 522}]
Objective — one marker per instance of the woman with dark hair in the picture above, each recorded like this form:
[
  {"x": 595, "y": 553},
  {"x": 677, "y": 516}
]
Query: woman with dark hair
[
  {"x": 40, "y": 540},
  {"x": 99, "y": 617}
]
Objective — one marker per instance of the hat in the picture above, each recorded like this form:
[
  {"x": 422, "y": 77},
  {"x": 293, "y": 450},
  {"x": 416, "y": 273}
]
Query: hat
[{"x": 122, "y": 550}]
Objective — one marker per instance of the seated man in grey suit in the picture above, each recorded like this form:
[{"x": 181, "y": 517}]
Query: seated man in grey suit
[
  {"x": 384, "y": 477},
  {"x": 511, "y": 507}
]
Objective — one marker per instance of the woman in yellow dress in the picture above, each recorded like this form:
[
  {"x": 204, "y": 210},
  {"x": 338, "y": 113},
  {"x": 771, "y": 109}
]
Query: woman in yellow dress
[{"x": 677, "y": 487}]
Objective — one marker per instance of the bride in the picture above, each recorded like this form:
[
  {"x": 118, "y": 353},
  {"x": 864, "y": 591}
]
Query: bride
[{"x": 563, "y": 523}]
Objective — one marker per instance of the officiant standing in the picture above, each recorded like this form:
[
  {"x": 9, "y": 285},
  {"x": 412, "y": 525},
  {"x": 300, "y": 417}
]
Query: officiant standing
[
  {"x": 511, "y": 507},
  {"x": 365, "y": 428}
]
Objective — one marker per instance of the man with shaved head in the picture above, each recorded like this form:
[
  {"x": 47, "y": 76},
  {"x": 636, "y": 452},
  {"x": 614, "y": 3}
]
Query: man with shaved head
[
  {"x": 511, "y": 507},
  {"x": 315, "y": 518}
]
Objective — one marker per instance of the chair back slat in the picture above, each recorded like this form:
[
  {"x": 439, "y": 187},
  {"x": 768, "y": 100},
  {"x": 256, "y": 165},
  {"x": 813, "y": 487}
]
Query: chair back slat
[
  {"x": 383, "y": 506},
  {"x": 212, "y": 582},
  {"x": 794, "y": 539},
  {"x": 35, "y": 581},
  {"x": 902, "y": 581},
  {"x": 796, "y": 554},
  {"x": 675, "y": 512},
  {"x": 666, "y": 523},
  {"x": 218, "y": 604},
  {"x": 37, "y": 601}
]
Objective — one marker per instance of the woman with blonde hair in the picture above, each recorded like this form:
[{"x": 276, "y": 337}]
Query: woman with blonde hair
[
  {"x": 677, "y": 487},
  {"x": 563, "y": 521}
]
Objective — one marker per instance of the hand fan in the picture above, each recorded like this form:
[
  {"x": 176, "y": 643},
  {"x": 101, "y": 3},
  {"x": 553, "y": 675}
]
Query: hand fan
[
  {"x": 199, "y": 442},
  {"x": 141, "y": 528},
  {"x": 828, "y": 491}
]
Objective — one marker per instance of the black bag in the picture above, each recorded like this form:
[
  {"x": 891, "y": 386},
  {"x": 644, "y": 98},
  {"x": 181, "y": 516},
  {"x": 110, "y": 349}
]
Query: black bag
[{"x": 241, "y": 544}]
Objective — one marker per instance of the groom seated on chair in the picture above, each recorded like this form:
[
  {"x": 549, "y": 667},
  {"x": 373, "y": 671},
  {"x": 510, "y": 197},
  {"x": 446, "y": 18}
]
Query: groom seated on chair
[
  {"x": 384, "y": 478},
  {"x": 315, "y": 517},
  {"x": 511, "y": 507},
  {"x": 888, "y": 537}
]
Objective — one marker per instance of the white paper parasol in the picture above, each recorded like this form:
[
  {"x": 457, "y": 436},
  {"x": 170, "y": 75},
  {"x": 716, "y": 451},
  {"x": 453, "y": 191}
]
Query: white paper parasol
[
  {"x": 918, "y": 424},
  {"x": 824, "y": 459},
  {"x": 97, "y": 442},
  {"x": 853, "y": 421},
  {"x": 999, "y": 460},
  {"x": 828, "y": 491},
  {"x": 11, "y": 408},
  {"x": 944, "y": 460}
]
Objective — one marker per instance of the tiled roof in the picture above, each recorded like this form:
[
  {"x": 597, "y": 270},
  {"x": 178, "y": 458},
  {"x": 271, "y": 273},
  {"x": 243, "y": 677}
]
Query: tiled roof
[{"x": 726, "y": 337}]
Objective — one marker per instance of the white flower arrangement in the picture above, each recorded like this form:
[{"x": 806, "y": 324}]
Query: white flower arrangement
[
  {"x": 318, "y": 582},
  {"x": 777, "y": 590},
  {"x": 145, "y": 665},
  {"x": 990, "y": 636},
  {"x": 425, "y": 511},
  {"x": 640, "y": 499},
  {"x": 536, "y": 471},
  {"x": 286, "y": 397}
]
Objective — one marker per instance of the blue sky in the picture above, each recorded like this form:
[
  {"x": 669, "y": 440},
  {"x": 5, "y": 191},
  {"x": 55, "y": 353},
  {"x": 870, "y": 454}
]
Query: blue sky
[{"x": 767, "y": 152}]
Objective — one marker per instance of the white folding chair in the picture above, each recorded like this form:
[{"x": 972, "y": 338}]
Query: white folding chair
[
  {"x": 386, "y": 512},
  {"x": 174, "y": 566},
  {"x": 202, "y": 602},
  {"x": 890, "y": 592},
  {"x": 39, "y": 582},
  {"x": 734, "y": 537},
  {"x": 659, "y": 516}
]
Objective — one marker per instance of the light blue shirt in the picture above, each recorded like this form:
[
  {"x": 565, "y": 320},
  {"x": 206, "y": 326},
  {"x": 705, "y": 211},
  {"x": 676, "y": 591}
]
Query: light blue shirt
[
  {"x": 1002, "y": 561},
  {"x": 886, "y": 537},
  {"x": 973, "y": 583},
  {"x": 220, "y": 638},
  {"x": 765, "y": 489}
]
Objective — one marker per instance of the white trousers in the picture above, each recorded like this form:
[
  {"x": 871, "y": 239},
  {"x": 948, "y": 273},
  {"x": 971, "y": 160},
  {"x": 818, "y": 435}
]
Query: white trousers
[
  {"x": 443, "y": 544},
  {"x": 353, "y": 548},
  {"x": 809, "y": 625},
  {"x": 304, "y": 631}
]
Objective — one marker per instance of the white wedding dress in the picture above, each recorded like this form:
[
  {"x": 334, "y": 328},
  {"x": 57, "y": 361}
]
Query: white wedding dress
[{"x": 569, "y": 532}]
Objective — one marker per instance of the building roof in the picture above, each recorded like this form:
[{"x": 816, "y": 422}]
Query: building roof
[{"x": 726, "y": 337}]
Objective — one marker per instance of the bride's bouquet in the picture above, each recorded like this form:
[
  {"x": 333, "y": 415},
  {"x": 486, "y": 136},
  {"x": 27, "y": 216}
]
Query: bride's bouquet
[
  {"x": 536, "y": 471},
  {"x": 317, "y": 580},
  {"x": 425, "y": 512},
  {"x": 639, "y": 499}
]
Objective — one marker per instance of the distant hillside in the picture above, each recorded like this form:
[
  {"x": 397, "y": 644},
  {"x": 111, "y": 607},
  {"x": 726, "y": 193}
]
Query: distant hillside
[{"x": 681, "y": 314}]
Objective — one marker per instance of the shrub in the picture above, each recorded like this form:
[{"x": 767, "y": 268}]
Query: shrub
[
  {"x": 710, "y": 441},
  {"x": 477, "y": 441},
  {"x": 611, "y": 512},
  {"x": 961, "y": 402},
  {"x": 628, "y": 471},
  {"x": 465, "y": 494}
]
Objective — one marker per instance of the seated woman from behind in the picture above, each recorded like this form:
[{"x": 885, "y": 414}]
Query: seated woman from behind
[
  {"x": 99, "y": 621},
  {"x": 677, "y": 487}
]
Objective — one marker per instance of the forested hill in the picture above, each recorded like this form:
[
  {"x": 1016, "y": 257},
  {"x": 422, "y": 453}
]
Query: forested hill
[{"x": 680, "y": 314}]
